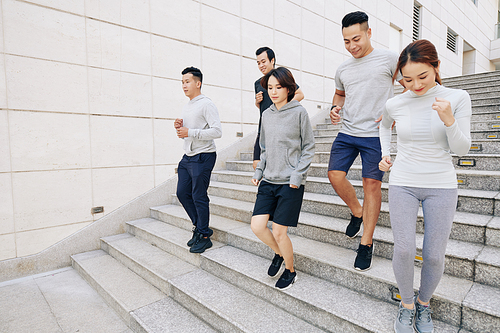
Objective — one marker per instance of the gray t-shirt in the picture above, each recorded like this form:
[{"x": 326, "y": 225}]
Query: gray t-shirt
[{"x": 367, "y": 83}]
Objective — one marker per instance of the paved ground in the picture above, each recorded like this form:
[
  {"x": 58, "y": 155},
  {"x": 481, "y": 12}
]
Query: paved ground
[{"x": 58, "y": 301}]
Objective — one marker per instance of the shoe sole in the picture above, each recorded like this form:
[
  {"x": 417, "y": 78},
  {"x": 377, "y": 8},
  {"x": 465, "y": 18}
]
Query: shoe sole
[
  {"x": 290, "y": 285},
  {"x": 416, "y": 329},
  {"x": 279, "y": 271},
  {"x": 395, "y": 330}
]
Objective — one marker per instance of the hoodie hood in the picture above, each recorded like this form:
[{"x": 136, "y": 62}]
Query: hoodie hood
[{"x": 290, "y": 105}]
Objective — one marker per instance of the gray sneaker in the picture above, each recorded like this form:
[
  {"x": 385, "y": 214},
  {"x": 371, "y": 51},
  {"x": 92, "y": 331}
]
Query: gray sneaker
[
  {"x": 423, "y": 321},
  {"x": 404, "y": 320}
]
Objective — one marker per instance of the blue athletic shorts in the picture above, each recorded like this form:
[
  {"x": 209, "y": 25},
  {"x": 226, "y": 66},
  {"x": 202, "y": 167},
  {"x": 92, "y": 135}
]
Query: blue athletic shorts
[{"x": 346, "y": 148}]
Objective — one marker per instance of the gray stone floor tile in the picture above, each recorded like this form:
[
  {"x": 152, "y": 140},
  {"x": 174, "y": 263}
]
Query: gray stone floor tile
[
  {"x": 76, "y": 306},
  {"x": 24, "y": 309}
]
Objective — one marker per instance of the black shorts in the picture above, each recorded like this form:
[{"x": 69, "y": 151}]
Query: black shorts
[{"x": 281, "y": 202}]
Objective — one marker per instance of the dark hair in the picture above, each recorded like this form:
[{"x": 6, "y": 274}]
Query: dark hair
[
  {"x": 421, "y": 51},
  {"x": 195, "y": 71},
  {"x": 355, "y": 18},
  {"x": 285, "y": 79},
  {"x": 270, "y": 53}
]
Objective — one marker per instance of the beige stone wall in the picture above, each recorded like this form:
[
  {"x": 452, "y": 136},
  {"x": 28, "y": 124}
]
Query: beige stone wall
[{"x": 89, "y": 90}]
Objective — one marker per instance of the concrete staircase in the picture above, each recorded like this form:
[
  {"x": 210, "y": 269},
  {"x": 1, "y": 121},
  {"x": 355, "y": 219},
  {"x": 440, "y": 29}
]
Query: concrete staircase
[{"x": 156, "y": 285}]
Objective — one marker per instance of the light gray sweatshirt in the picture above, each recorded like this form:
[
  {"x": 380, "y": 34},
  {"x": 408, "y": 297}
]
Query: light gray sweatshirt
[
  {"x": 287, "y": 145},
  {"x": 201, "y": 117}
]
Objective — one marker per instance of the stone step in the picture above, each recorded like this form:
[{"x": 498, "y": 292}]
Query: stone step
[
  {"x": 462, "y": 258},
  {"x": 150, "y": 262},
  {"x": 484, "y": 146},
  {"x": 477, "y": 77},
  {"x": 492, "y": 133},
  {"x": 330, "y": 262},
  {"x": 468, "y": 227},
  {"x": 161, "y": 269},
  {"x": 483, "y": 101},
  {"x": 470, "y": 201},
  {"x": 222, "y": 305},
  {"x": 474, "y": 88},
  {"x": 167, "y": 238},
  {"x": 328, "y": 300},
  {"x": 467, "y": 179},
  {"x": 121, "y": 288},
  {"x": 491, "y": 115},
  {"x": 470, "y": 161},
  {"x": 476, "y": 125},
  {"x": 231, "y": 309}
]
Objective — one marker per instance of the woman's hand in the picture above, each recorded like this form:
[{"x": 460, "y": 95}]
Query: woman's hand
[
  {"x": 255, "y": 182},
  {"x": 385, "y": 164},
  {"x": 443, "y": 108},
  {"x": 293, "y": 186}
]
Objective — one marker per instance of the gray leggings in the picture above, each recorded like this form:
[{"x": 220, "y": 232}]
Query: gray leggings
[{"x": 438, "y": 205}]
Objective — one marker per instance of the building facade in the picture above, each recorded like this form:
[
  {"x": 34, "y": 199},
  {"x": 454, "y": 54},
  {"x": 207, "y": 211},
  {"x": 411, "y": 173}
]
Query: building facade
[{"x": 89, "y": 89}]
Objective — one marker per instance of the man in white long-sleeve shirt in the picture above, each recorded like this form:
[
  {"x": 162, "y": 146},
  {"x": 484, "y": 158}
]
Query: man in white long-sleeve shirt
[{"x": 198, "y": 127}]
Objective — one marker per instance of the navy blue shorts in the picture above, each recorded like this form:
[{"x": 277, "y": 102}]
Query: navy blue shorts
[
  {"x": 346, "y": 148},
  {"x": 281, "y": 202}
]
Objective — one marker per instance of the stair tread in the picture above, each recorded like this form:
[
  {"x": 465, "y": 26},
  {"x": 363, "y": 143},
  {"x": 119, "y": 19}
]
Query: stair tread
[
  {"x": 345, "y": 303},
  {"x": 459, "y": 172},
  {"x": 128, "y": 289},
  {"x": 168, "y": 232},
  {"x": 385, "y": 185},
  {"x": 158, "y": 262},
  {"x": 462, "y": 217},
  {"x": 452, "y": 288},
  {"x": 246, "y": 311},
  {"x": 169, "y": 316}
]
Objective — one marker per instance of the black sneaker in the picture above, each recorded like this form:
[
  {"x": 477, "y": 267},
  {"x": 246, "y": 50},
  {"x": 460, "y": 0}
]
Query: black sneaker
[
  {"x": 275, "y": 265},
  {"x": 363, "y": 260},
  {"x": 354, "y": 226},
  {"x": 286, "y": 280},
  {"x": 196, "y": 236},
  {"x": 201, "y": 245}
]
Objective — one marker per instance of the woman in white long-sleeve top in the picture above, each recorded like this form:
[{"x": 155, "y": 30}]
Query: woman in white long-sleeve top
[{"x": 432, "y": 121}]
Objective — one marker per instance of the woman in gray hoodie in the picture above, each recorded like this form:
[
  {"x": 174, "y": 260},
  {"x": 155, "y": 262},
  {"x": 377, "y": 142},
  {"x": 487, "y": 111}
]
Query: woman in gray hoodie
[{"x": 287, "y": 149}]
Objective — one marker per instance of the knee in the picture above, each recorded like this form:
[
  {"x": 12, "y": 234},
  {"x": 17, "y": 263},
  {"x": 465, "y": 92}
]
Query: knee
[
  {"x": 404, "y": 253},
  {"x": 432, "y": 260},
  {"x": 257, "y": 226},
  {"x": 336, "y": 176},
  {"x": 279, "y": 235},
  {"x": 372, "y": 186}
]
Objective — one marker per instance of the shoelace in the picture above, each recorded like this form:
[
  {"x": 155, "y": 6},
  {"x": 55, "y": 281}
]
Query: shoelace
[
  {"x": 406, "y": 316},
  {"x": 276, "y": 260},
  {"x": 424, "y": 313},
  {"x": 365, "y": 251}
]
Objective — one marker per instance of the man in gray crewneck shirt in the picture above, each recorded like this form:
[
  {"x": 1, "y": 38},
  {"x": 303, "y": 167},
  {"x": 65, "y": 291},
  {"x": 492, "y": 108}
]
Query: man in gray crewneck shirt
[
  {"x": 198, "y": 127},
  {"x": 363, "y": 85}
]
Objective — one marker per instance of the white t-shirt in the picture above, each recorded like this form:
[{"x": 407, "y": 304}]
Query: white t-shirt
[
  {"x": 367, "y": 83},
  {"x": 424, "y": 142}
]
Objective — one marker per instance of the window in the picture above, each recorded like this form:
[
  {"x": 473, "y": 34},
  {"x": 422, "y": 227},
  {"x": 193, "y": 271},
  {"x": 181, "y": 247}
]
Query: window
[
  {"x": 451, "y": 40},
  {"x": 417, "y": 10}
]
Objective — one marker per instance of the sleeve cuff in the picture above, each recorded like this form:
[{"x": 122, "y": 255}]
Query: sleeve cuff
[
  {"x": 296, "y": 179},
  {"x": 258, "y": 174}
]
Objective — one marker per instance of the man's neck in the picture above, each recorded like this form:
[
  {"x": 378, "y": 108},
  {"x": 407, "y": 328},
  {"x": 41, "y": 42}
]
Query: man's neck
[
  {"x": 193, "y": 97},
  {"x": 370, "y": 50}
]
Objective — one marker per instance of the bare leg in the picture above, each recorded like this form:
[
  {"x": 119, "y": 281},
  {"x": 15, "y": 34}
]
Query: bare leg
[
  {"x": 260, "y": 229},
  {"x": 346, "y": 191},
  {"x": 285, "y": 245},
  {"x": 371, "y": 208}
]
